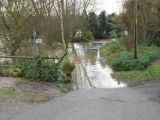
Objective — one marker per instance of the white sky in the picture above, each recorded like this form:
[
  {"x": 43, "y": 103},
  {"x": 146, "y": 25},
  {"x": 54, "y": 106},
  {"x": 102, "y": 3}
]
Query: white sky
[{"x": 111, "y": 6}]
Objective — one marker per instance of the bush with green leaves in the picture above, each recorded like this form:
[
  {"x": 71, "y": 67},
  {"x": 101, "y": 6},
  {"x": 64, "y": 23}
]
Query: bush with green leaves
[
  {"x": 112, "y": 48},
  {"x": 88, "y": 36},
  {"x": 113, "y": 34},
  {"x": 153, "y": 52},
  {"x": 109, "y": 51},
  {"x": 125, "y": 62},
  {"x": 39, "y": 68},
  {"x": 122, "y": 60},
  {"x": 68, "y": 67}
]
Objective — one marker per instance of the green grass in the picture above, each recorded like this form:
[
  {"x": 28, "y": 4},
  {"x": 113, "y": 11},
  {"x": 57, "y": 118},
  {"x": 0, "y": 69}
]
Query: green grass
[
  {"x": 9, "y": 93},
  {"x": 111, "y": 50},
  {"x": 6, "y": 93},
  {"x": 134, "y": 78},
  {"x": 119, "y": 59}
]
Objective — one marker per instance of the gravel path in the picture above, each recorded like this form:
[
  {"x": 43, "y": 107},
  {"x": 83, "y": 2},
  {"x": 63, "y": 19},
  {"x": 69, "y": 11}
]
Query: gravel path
[{"x": 139, "y": 103}]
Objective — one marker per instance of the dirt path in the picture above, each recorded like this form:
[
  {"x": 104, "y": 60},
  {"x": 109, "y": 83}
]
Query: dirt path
[
  {"x": 139, "y": 103},
  {"x": 7, "y": 82}
]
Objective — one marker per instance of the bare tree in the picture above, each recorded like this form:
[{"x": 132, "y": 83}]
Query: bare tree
[{"x": 15, "y": 17}]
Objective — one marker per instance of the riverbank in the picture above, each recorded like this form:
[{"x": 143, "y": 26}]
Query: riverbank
[{"x": 126, "y": 69}]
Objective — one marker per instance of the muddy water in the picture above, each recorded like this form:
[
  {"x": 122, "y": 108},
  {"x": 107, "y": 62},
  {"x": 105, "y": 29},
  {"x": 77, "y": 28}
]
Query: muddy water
[{"x": 90, "y": 70}]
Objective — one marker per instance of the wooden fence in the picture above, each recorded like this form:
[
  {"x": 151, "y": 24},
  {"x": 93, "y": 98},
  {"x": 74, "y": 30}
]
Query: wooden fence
[{"x": 59, "y": 59}]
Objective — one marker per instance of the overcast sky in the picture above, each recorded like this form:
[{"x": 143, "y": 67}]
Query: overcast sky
[{"x": 111, "y": 6}]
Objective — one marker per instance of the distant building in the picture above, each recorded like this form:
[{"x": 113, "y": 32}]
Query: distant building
[{"x": 79, "y": 34}]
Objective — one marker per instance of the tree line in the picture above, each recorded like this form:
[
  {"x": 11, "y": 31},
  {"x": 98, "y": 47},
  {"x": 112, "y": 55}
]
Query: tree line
[
  {"x": 148, "y": 21},
  {"x": 103, "y": 26},
  {"x": 58, "y": 21},
  {"x": 53, "y": 20}
]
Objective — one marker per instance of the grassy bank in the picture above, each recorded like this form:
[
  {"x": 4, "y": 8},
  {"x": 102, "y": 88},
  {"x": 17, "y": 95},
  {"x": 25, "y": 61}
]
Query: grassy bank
[
  {"x": 126, "y": 68},
  {"x": 134, "y": 78}
]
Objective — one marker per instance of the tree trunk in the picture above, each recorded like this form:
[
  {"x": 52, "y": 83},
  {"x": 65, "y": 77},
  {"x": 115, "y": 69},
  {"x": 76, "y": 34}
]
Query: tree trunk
[
  {"x": 62, "y": 24},
  {"x": 13, "y": 53}
]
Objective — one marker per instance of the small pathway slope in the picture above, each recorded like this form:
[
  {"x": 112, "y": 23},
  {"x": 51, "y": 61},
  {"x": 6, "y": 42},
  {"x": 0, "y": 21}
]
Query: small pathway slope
[{"x": 139, "y": 103}]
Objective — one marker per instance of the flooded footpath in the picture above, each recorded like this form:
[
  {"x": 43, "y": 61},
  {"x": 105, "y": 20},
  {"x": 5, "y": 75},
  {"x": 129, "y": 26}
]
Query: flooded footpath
[{"x": 91, "y": 71}]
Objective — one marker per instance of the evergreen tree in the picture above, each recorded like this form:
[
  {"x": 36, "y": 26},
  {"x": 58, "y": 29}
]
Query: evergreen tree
[
  {"x": 102, "y": 24},
  {"x": 93, "y": 24}
]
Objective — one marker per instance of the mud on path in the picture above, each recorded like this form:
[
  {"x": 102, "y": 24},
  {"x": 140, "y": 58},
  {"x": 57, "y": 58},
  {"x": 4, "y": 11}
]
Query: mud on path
[{"x": 15, "y": 106}]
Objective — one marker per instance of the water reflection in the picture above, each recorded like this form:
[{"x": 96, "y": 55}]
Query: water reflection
[{"x": 90, "y": 69}]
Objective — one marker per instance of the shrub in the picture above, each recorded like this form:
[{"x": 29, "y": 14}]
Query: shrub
[
  {"x": 125, "y": 62},
  {"x": 111, "y": 48},
  {"x": 153, "y": 52},
  {"x": 68, "y": 68},
  {"x": 41, "y": 69},
  {"x": 113, "y": 34},
  {"x": 88, "y": 36},
  {"x": 121, "y": 60}
]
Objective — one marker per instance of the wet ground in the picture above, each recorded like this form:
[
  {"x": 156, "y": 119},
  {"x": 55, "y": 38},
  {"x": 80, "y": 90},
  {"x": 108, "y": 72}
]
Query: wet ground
[
  {"x": 117, "y": 102},
  {"x": 91, "y": 71},
  {"x": 22, "y": 84},
  {"x": 11, "y": 108},
  {"x": 139, "y": 103}
]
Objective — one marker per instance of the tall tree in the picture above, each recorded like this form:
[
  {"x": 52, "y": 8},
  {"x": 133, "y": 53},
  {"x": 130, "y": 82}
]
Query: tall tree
[
  {"x": 15, "y": 16},
  {"x": 148, "y": 20},
  {"x": 93, "y": 24},
  {"x": 102, "y": 24}
]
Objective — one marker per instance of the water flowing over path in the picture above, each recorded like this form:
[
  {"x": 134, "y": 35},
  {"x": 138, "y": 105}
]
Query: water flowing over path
[{"x": 90, "y": 70}]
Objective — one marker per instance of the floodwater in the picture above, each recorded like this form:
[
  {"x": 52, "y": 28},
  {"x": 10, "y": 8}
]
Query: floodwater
[{"x": 90, "y": 70}]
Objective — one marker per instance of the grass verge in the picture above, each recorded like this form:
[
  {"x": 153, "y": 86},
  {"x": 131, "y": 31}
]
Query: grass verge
[
  {"x": 134, "y": 78},
  {"x": 9, "y": 93}
]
